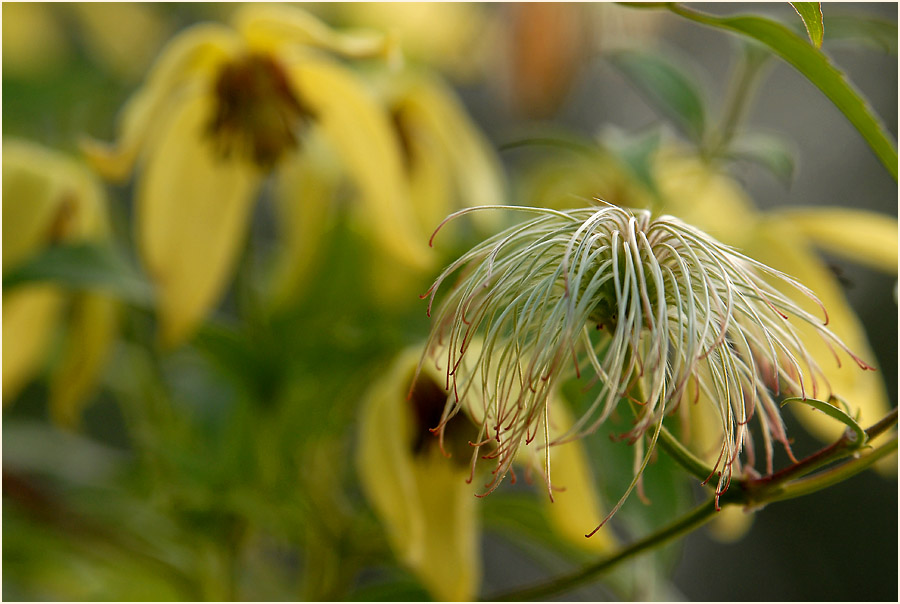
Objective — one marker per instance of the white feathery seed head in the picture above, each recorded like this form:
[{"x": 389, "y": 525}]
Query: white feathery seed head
[{"x": 648, "y": 305}]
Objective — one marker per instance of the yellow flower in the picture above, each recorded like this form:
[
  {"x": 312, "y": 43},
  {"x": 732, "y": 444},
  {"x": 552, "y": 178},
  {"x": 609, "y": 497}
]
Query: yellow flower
[
  {"x": 221, "y": 109},
  {"x": 454, "y": 37},
  {"x": 47, "y": 200},
  {"x": 447, "y": 161},
  {"x": 425, "y": 499}
]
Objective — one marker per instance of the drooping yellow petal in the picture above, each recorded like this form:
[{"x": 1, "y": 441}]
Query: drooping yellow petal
[
  {"x": 451, "y": 36},
  {"x": 193, "y": 211},
  {"x": 30, "y": 316},
  {"x": 430, "y": 178},
  {"x": 700, "y": 196},
  {"x": 268, "y": 27},
  {"x": 428, "y": 166},
  {"x": 865, "y": 237},
  {"x": 775, "y": 243},
  {"x": 359, "y": 128},
  {"x": 190, "y": 58},
  {"x": 434, "y": 109},
  {"x": 422, "y": 498},
  {"x": 35, "y": 206},
  {"x": 305, "y": 188},
  {"x": 575, "y": 510},
  {"x": 92, "y": 330}
]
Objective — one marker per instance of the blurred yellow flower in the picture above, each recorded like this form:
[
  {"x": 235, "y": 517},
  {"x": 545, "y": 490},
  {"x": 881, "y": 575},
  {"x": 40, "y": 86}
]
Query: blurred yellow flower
[
  {"x": 454, "y": 37},
  {"x": 49, "y": 199},
  {"x": 221, "y": 109},
  {"x": 447, "y": 161},
  {"x": 425, "y": 498}
]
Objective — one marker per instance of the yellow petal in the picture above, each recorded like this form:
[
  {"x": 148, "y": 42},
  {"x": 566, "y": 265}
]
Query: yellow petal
[
  {"x": 423, "y": 500},
  {"x": 30, "y": 315},
  {"x": 575, "y": 510},
  {"x": 429, "y": 169},
  {"x": 92, "y": 329},
  {"x": 702, "y": 197},
  {"x": 446, "y": 35},
  {"x": 33, "y": 200},
  {"x": 193, "y": 210},
  {"x": 189, "y": 59},
  {"x": 304, "y": 196},
  {"x": 775, "y": 243},
  {"x": 360, "y": 131},
  {"x": 268, "y": 27},
  {"x": 434, "y": 109},
  {"x": 865, "y": 237}
]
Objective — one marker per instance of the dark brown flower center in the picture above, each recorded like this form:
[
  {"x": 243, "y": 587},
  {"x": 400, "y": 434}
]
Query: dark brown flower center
[
  {"x": 256, "y": 113},
  {"x": 427, "y": 401}
]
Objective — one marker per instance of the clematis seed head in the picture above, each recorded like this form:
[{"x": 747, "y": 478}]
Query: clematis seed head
[{"x": 650, "y": 309}]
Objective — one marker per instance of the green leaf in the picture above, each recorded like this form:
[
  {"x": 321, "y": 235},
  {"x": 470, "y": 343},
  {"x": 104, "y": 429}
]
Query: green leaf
[
  {"x": 83, "y": 266},
  {"x": 878, "y": 34},
  {"x": 667, "y": 87},
  {"x": 830, "y": 410},
  {"x": 817, "y": 68},
  {"x": 771, "y": 151},
  {"x": 811, "y": 13}
]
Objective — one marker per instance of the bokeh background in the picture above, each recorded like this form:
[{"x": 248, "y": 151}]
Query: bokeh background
[{"x": 67, "y": 69}]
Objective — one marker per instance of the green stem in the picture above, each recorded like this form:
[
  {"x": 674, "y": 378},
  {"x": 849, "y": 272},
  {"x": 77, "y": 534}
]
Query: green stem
[
  {"x": 683, "y": 457},
  {"x": 694, "y": 519},
  {"x": 828, "y": 478},
  {"x": 743, "y": 85},
  {"x": 747, "y": 493},
  {"x": 843, "y": 447}
]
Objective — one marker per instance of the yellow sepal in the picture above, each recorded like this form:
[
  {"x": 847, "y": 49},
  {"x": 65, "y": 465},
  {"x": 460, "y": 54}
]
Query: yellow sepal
[
  {"x": 305, "y": 186},
  {"x": 423, "y": 500},
  {"x": 192, "y": 55},
  {"x": 865, "y": 237},
  {"x": 360, "y": 130},
  {"x": 193, "y": 211},
  {"x": 575, "y": 510},
  {"x": 268, "y": 28},
  {"x": 92, "y": 330},
  {"x": 774, "y": 244},
  {"x": 435, "y": 110},
  {"x": 30, "y": 316}
]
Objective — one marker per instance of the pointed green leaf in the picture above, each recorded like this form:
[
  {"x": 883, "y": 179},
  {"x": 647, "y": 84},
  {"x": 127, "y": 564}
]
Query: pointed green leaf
[
  {"x": 769, "y": 150},
  {"x": 813, "y": 64},
  {"x": 830, "y": 410},
  {"x": 83, "y": 266},
  {"x": 667, "y": 87},
  {"x": 811, "y": 13}
]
